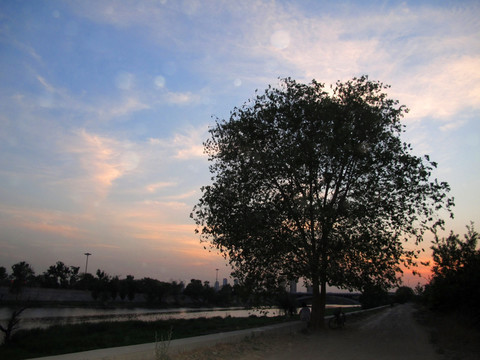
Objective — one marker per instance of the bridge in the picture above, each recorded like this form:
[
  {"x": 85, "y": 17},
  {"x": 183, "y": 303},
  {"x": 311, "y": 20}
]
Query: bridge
[{"x": 332, "y": 298}]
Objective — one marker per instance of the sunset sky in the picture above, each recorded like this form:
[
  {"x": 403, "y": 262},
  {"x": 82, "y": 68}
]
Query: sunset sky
[{"x": 105, "y": 106}]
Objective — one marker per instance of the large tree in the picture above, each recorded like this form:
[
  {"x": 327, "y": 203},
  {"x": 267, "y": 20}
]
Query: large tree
[{"x": 316, "y": 183}]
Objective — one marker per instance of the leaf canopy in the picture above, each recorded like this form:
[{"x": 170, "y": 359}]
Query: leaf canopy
[{"x": 316, "y": 183}]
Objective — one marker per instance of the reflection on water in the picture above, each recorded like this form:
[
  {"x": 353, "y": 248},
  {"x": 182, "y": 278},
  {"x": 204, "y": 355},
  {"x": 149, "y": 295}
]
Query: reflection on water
[{"x": 45, "y": 317}]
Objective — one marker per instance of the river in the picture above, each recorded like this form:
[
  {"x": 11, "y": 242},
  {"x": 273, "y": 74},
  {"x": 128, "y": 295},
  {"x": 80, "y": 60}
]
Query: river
[{"x": 43, "y": 317}]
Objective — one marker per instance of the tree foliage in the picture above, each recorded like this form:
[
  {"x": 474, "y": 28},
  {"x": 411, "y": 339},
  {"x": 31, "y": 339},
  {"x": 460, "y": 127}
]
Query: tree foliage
[
  {"x": 451, "y": 254},
  {"x": 22, "y": 273},
  {"x": 404, "y": 294},
  {"x": 316, "y": 184},
  {"x": 61, "y": 275},
  {"x": 374, "y": 296},
  {"x": 106, "y": 288},
  {"x": 3, "y": 273},
  {"x": 455, "y": 284}
]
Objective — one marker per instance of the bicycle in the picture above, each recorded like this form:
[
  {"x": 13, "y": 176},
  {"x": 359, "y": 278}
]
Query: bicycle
[{"x": 338, "y": 320}]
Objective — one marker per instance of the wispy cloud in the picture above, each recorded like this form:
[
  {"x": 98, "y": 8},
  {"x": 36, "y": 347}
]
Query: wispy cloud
[
  {"x": 179, "y": 98},
  {"x": 119, "y": 107},
  {"x": 443, "y": 88},
  {"x": 186, "y": 144},
  {"x": 436, "y": 75},
  {"x": 159, "y": 185},
  {"x": 404, "y": 45},
  {"x": 96, "y": 162},
  {"x": 452, "y": 125},
  {"x": 99, "y": 157},
  {"x": 185, "y": 195},
  {"x": 43, "y": 220}
]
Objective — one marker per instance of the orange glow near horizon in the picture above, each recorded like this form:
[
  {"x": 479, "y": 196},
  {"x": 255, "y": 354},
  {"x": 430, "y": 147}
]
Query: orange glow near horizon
[{"x": 420, "y": 274}]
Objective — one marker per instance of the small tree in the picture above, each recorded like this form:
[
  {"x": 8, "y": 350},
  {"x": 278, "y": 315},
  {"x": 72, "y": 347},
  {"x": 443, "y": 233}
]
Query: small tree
[
  {"x": 150, "y": 289},
  {"x": 74, "y": 276},
  {"x": 455, "y": 284},
  {"x": 3, "y": 274},
  {"x": 374, "y": 295},
  {"x": 22, "y": 272},
  {"x": 101, "y": 286},
  {"x": 60, "y": 275},
  {"x": 316, "y": 184},
  {"x": 12, "y": 324},
  {"x": 194, "y": 290},
  {"x": 404, "y": 294},
  {"x": 451, "y": 254},
  {"x": 225, "y": 295},
  {"x": 131, "y": 287}
]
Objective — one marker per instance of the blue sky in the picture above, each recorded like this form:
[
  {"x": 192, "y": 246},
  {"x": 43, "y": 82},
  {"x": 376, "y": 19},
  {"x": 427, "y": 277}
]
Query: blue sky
[{"x": 105, "y": 105}]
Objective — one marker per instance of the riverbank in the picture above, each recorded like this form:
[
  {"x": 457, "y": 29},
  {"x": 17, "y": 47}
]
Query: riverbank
[{"x": 89, "y": 336}]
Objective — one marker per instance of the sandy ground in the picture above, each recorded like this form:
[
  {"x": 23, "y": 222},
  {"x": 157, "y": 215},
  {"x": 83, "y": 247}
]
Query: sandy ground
[{"x": 390, "y": 334}]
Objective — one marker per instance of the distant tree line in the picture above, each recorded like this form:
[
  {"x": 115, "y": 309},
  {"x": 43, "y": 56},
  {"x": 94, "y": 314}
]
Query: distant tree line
[
  {"x": 105, "y": 288},
  {"x": 454, "y": 286}
]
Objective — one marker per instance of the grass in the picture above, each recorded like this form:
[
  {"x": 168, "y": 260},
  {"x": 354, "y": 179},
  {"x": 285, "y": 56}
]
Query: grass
[{"x": 64, "y": 339}]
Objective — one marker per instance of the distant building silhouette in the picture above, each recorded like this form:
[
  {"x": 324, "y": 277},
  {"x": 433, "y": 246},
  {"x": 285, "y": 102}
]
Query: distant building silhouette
[{"x": 225, "y": 282}]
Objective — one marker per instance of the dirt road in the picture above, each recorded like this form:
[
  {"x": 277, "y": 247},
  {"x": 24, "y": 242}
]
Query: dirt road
[{"x": 390, "y": 334}]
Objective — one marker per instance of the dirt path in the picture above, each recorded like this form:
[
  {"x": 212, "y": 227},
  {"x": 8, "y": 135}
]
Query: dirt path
[{"x": 390, "y": 334}]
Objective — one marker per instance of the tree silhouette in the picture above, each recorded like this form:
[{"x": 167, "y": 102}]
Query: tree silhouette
[
  {"x": 316, "y": 184},
  {"x": 455, "y": 284},
  {"x": 22, "y": 272},
  {"x": 61, "y": 275},
  {"x": 12, "y": 324}
]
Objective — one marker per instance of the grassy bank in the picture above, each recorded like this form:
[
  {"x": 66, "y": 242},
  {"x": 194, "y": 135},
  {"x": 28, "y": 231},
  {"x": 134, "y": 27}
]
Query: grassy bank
[
  {"x": 65, "y": 339},
  {"x": 82, "y": 337}
]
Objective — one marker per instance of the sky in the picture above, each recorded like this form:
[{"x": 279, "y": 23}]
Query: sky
[{"x": 105, "y": 106}]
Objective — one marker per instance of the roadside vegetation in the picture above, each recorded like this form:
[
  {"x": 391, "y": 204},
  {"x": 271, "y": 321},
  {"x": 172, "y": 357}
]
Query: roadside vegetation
[
  {"x": 450, "y": 300},
  {"x": 455, "y": 285}
]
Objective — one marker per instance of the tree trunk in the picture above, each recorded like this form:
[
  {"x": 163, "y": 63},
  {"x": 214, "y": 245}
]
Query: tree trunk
[{"x": 318, "y": 305}]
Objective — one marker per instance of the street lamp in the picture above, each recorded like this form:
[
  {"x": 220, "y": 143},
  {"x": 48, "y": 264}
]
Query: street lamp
[
  {"x": 86, "y": 263},
  {"x": 217, "y": 285}
]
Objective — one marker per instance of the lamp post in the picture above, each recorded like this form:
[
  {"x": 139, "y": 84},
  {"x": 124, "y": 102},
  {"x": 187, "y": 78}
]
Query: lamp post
[
  {"x": 86, "y": 263},
  {"x": 217, "y": 285}
]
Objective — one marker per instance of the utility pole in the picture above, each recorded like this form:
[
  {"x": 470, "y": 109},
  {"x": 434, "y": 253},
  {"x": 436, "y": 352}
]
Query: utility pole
[{"x": 86, "y": 263}]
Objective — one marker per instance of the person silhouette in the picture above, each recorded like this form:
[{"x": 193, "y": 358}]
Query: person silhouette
[{"x": 305, "y": 313}]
